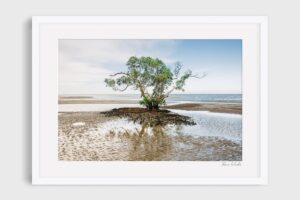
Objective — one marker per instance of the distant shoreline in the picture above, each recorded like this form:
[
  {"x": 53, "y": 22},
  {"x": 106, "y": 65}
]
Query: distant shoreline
[
  {"x": 91, "y": 100},
  {"x": 232, "y": 108},
  {"x": 95, "y": 101}
]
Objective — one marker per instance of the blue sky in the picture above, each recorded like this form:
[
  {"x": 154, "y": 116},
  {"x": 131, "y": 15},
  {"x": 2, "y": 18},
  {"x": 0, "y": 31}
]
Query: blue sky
[{"x": 84, "y": 64}]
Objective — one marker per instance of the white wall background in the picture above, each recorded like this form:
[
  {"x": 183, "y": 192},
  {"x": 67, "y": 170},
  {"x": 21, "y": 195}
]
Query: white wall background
[{"x": 15, "y": 101}]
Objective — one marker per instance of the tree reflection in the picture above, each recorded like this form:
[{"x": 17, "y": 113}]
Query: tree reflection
[{"x": 149, "y": 142}]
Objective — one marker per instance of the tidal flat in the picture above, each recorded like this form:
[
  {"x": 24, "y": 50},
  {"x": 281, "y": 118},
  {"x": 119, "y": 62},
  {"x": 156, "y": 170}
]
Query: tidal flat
[{"x": 134, "y": 134}]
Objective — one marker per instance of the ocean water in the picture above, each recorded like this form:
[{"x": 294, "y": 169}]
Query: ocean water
[{"x": 173, "y": 98}]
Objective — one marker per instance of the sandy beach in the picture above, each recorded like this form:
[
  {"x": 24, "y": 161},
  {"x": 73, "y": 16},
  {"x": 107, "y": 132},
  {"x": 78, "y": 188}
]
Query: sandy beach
[
  {"x": 235, "y": 108},
  {"x": 96, "y": 136},
  {"x": 94, "y": 101},
  {"x": 219, "y": 107}
]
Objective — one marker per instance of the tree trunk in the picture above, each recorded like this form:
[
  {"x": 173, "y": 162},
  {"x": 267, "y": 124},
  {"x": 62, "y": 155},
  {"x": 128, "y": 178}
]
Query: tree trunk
[
  {"x": 149, "y": 106},
  {"x": 156, "y": 107}
]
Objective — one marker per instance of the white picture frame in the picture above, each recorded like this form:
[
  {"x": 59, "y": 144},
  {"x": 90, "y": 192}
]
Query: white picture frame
[{"x": 47, "y": 29}]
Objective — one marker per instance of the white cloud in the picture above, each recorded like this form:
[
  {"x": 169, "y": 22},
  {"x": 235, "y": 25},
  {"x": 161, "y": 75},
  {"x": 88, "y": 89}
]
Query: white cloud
[{"x": 84, "y": 64}]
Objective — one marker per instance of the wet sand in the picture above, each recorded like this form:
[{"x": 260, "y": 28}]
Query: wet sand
[
  {"x": 95, "y": 101},
  {"x": 220, "y": 107},
  {"x": 81, "y": 135},
  {"x": 79, "y": 140},
  {"x": 91, "y": 100},
  {"x": 234, "y": 108}
]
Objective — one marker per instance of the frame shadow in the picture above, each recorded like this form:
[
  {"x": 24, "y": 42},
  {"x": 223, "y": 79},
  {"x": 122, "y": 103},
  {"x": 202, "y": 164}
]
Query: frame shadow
[{"x": 27, "y": 100}]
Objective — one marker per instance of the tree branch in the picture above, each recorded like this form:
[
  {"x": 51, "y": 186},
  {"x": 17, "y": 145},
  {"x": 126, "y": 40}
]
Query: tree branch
[
  {"x": 168, "y": 93},
  {"x": 174, "y": 87},
  {"x": 119, "y": 73},
  {"x": 142, "y": 90},
  {"x": 198, "y": 77},
  {"x": 122, "y": 90}
]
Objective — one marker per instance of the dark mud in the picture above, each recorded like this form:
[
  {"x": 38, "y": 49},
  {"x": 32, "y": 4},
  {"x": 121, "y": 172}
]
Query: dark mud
[{"x": 152, "y": 118}]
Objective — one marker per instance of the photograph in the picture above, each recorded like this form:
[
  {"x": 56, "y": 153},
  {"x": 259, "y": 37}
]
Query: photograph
[{"x": 150, "y": 100}]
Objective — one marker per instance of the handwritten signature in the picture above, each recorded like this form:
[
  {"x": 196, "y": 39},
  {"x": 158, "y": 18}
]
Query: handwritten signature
[{"x": 231, "y": 163}]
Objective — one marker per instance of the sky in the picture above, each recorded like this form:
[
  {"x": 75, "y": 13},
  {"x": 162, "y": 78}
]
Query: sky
[{"x": 84, "y": 64}]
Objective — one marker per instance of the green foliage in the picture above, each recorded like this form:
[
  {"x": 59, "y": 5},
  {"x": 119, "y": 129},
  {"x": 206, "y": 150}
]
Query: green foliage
[
  {"x": 146, "y": 101},
  {"x": 146, "y": 73}
]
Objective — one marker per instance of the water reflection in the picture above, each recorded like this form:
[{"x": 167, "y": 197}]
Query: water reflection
[
  {"x": 144, "y": 143},
  {"x": 214, "y": 138}
]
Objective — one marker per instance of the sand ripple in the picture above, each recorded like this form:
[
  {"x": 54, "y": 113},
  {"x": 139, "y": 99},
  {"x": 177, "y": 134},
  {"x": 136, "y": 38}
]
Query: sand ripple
[{"x": 93, "y": 140}]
